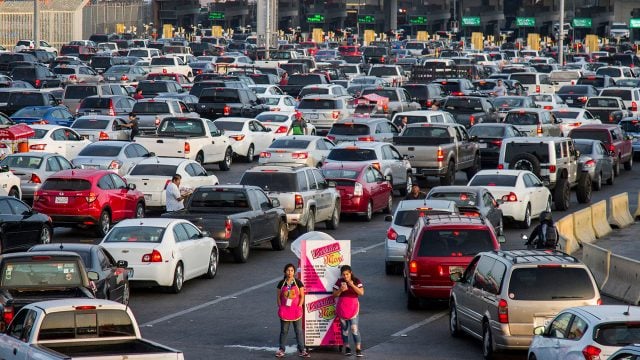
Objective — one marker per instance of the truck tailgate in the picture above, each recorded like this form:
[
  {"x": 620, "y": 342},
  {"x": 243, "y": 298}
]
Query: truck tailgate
[
  {"x": 164, "y": 146},
  {"x": 213, "y": 223},
  {"x": 113, "y": 349},
  {"x": 420, "y": 156}
]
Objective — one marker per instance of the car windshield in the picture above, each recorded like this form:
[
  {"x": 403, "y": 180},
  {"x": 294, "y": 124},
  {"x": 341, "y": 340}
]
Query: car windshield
[
  {"x": 52, "y": 273},
  {"x": 31, "y": 112},
  {"x": 355, "y": 154},
  {"x": 340, "y": 174},
  {"x": 602, "y": 135},
  {"x": 229, "y": 125},
  {"x": 289, "y": 144},
  {"x": 90, "y": 124},
  {"x": 623, "y": 94},
  {"x": 494, "y": 180},
  {"x": 151, "y": 107},
  {"x": 80, "y": 91},
  {"x": 350, "y": 129},
  {"x": 617, "y": 334},
  {"x": 182, "y": 126},
  {"x": 265, "y": 118},
  {"x": 21, "y": 162},
  {"x": 461, "y": 198},
  {"x": 136, "y": 234},
  {"x": 459, "y": 242},
  {"x": 541, "y": 283},
  {"x": 270, "y": 181},
  {"x": 487, "y": 131},
  {"x": 521, "y": 118},
  {"x": 539, "y": 150}
]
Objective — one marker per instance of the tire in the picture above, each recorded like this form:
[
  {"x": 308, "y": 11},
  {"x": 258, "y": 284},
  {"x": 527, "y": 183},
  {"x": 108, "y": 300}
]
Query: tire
[
  {"x": 548, "y": 208},
  {"x": 597, "y": 183},
  {"x": 500, "y": 228},
  {"x": 629, "y": 164},
  {"x": 407, "y": 186},
  {"x": 612, "y": 179},
  {"x": 532, "y": 357},
  {"x": 309, "y": 226},
  {"x": 454, "y": 323},
  {"x": 104, "y": 223},
  {"x": 14, "y": 192},
  {"x": 583, "y": 191},
  {"x": 389, "y": 208},
  {"x": 46, "y": 234},
  {"x": 413, "y": 303},
  {"x": 389, "y": 268},
  {"x": 487, "y": 342},
  {"x": 212, "y": 269},
  {"x": 225, "y": 164},
  {"x": 562, "y": 195},
  {"x": 178, "y": 279},
  {"x": 250, "y": 154},
  {"x": 241, "y": 253},
  {"x": 139, "y": 211},
  {"x": 368, "y": 216},
  {"x": 450, "y": 176},
  {"x": 332, "y": 224},
  {"x": 475, "y": 168},
  {"x": 526, "y": 161},
  {"x": 279, "y": 242},
  {"x": 526, "y": 223},
  {"x": 200, "y": 158},
  {"x": 616, "y": 167}
]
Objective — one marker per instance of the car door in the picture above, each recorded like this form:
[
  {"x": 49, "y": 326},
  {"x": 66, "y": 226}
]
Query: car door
[
  {"x": 74, "y": 143},
  {"x": 527, "y": 184},
  {"x": 606, "y": 159},
  {"x": 262, "y": 137},
  {"x": 268, "y": 216},
  {"x": 128, "y": 197},
  {"x": 548, "y": 346},
  {"x": 324, "y": 198},
  {"x": 573, "y": 159},
  {"x": 58, "y": 142},
  {"x": 115, "y": 198},
  {"x": 186, "y": 250},
  {"x": 214, "y": 149},
  {"x": 131, "y": 158},
  {"x": 19, "y": 334},
  {"x": 198, "y": 249},
  {"x": 10, "y": 227},
  {"x": 29, "y": 226},
  {"x": 493, "y": 212},
  {"x": 463, "y": 292}
]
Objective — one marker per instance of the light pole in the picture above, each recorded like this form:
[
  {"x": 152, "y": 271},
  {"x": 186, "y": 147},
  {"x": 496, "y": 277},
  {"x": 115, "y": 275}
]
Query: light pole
[
  {"x": 561, "y": 36},
  {"x": 36, "y": 22}
]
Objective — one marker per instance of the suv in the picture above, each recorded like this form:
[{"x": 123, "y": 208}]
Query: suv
[
  {"x": 554, "y": 160},
  {"x": 324, "y": 110},
  {"x": 74, "y": 94},
  {"x": 614, "y": 139},
  {"x": 534, "y": 82},
  {"x": 534, "y": 122},
  {"x": 425, "y": 94},
  {"x": 630, "y": 97},
  {"x": 305, "y": 195},
  {"x": 440, "y": 245},
  {"x": 503, "y": 295},
  {"x": 111, "y": 105},
  {"x": 38, "y": 76},
  {"x": 363, "y": 129}
]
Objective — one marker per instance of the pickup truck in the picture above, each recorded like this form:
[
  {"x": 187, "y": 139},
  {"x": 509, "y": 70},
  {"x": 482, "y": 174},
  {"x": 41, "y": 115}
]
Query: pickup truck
[
  {"x": 170, "y": 64},
  {"x": 399, "y": 100},
  {"x": 277, "y": 58},
  {"x": 471, "y": 110},
  {"x": 150, "y": 112},
  {"x": 223, "y": 102},
  {"x": 237, "y": 216},
  {"x": 190, "y": 138},
  {"x": 608, "y": 109},
  {"x": 296, "y": 82},
  {"x": 28, "y": 277},
  {"x": 79, "y": 329},
  {"x": 439, "y": 150}
]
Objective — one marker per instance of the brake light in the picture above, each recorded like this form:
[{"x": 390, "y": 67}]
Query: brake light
[
  {"x": 114, "y": 165},
  {"x": 366, "y": 138},
  {"x": 300, "y": 155},
  {"x": 590, "y": 163},
  {"x": 357, "y": 189},
  {"x": 440, "y": 155},
  {"x": 537, "y": 88},
  {"x": 73, "y": 77},
  {"x": 265, "y": 154},
  {"x": 457, "y": 93},
  {"x": 103, "y": 136},
  {"x": 38, "y": 83},
  {"x": 335, "y": 114},
  {"x": 392, "y": 234},
  {"x": 612, "y": 147},
  {"x": 429, "y": 103},
  {"x": 91, "y": 198},
  {"x": 155, "y": 256},
  {"x": 503, "y": 312},
  {"x": 582, "y": 99},
  {"x": 539, "y": 129},
  {"x": 37, "y": 147},
  {"x": 187, "y": 148},
  {"x": 472, "y": 120},
  {"x": 385, "y": 108},
  {"x": 35, "y": 179},
  {"x": 164, "y": 71},
  {"x": 166, "y": 183},
  {"x": 634, "y": 106},
  {"x": 299, "y": 201},
  {"x": 112, "y": 111},
  {"x": 226, "y": 111},
  {"x": 512, "y": 197},
  {"x": 610, "y": 117},
  {"x": 552, "y": 169},
  {"x": 124, "y": 78},
  {"x": 228, "y": 226},
  {"x": 330, "y": 137},
  {"x": 84, "y": 307},
  {"x": 497, "y": 143},
  {"x": 548, "y": 107},
  {"x": 413, "y": 267},
  {"x": 237, "y": 137},
  {"x": 500, "y": 166},
  {"x": 7, "y": 314},
  {"x": 282, "y": 130},
  {"x": 376, "y": 165},
  {"x": 591, "y": 352}
]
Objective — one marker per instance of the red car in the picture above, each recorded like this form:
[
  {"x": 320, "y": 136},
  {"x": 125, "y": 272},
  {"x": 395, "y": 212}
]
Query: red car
[
  {"x": 363, "y": 189},
  {"x": 87, "y": 198},
  {"x": 311, "y": 46},
  {"x": 349, "y": 50}
]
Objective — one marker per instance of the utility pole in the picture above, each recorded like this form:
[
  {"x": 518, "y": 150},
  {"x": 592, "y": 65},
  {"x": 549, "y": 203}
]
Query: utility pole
[
  {"x": 561, "y": 36},
  {"x": 36, "y": 23}
]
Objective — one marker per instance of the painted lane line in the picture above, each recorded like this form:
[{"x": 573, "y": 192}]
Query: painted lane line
[
  {"x": 236, "y": 294},
  {"x": 430, "y": 319}
]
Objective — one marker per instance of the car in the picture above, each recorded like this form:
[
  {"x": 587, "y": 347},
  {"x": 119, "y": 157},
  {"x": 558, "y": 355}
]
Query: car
[
  {"x": 523, "y": 196},
  {"x": 534, "y": 122},
  {"x": 21, "y": 227},
  {"x": 117, "y": 156},
  {"x": 310, "y": 150},
  {"x": 502, "y": 296},
  {"x": 486, "y": 86},
  {"x": 152, "y": 175},
  {"x": 586, "y": 331},
  {"x": 125, "y": 74},
  {"x": 628, "y": 352},
  {"x": 324, "y": 89},
  {"x": 616, "y": 72},
  {"x": 632, "y": 83},
  {"x": 101, "y": 127},
  {"x": 57, "y": 139},
  {"x": 577, "y": 95},
  {"x": 363, "y": 189},
  {"x": 54, "y": 115},
  {"x": 30, "y": 44},
  {"x": 280, "y": 122},
  {"x": 630, "y": 97},
  {"x": 607, "y": 109},
  {"x": 425, "y": 94},
  {"x": 573, "y": 118},
  {"x": 163, "y": 252},
  {"x": 75, "y": 74},
  {"x": 505, "y": 103},
  {"x": 548, "y": 101},
  {"x": 113, "y": 276},
  {"x": 489, "y": 137},
  {"x": 363, "y": 129},
  {"x": 111, "y": 105},
  {"x": 279, "y": 102},
  {"x": 631, "y": 126},
  {"x": 440, "y": 245},
  {"x": 249, "y": 137},
  {"x": 596, "y": 162},
  {"x": 470, "y": 110},
  {"x": 383, "y": 156},
  {"x": 324, "y": 110},
  {"x": 32, "y": 168},
  {"x": 533, "y": 82},
  {"x": 617, "y": 143},
  {"x": 88, "y": 198},
  {"x": 456, "y": 87},
  {"x": 266, "y": 89}
]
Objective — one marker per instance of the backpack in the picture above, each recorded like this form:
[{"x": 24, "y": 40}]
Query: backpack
[{"x": 548, "y": 239}]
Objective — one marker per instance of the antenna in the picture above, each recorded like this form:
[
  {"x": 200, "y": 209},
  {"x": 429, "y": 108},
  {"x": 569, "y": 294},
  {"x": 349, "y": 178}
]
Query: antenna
[{"x": 626, "y": 313}]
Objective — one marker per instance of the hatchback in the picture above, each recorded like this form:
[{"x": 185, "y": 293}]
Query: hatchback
[
  {"x": 363, "y": 129},
  {"x": 111, "y": 105}
]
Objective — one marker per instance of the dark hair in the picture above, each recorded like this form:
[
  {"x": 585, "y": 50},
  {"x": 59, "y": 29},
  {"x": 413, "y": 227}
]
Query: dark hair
[
  {"x": 176, "y": 177},
  {"x": 132, "y": 114},
  {"x": 344, "y": 268},
  {"x": 286, "y": 267}
]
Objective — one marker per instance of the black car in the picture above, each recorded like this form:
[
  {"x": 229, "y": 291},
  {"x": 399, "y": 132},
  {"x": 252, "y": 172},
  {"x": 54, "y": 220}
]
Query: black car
[
  {"x": 19, "y": 99},
  {"x": 425, "y": 94},
  {"x": 376, "y": 54},
  {"x": 485, "y": 87},
  {"x": 218, "y": 102},
  {"x": 21, "y": 227},
  {"x": 8, "y": 58},
  {"x": 38, "y": 76},
  {"x": 456, "y": 87},
  {"x": 470, "y": 110},
  {"x": 113, "y": 276},
  {"x": 576, "y": 95},
  {"x": 489, "y": 138}
]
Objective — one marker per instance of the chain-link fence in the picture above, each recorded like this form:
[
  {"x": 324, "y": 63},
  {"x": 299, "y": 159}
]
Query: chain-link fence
[{"x": 103, "y": 17}]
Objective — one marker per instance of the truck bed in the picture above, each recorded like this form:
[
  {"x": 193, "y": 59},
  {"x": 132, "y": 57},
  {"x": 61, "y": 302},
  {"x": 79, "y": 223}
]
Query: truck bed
[{"x": 113, "y": 348}]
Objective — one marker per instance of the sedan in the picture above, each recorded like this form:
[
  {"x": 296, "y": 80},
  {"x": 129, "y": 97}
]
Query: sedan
[
  {"x": 505, "y": 103},
  {"x": 489, "y": 137},
  {"x": 199, "y": 67},
  {"x": 54, "y": 115},
  {"x": 266, "y": 89},
  {"x": 117, "y": 156},
  {"x": 522, "y": 195},
  {"x": 113, "y": 277},
  {"x": 76, "y": 74},
  {"x": 279, "y": 102},
  {"x": 280, "y": 122},
  {"x": 310, "y": 150},
  {"x": 33, "y": 168},
  {"x": 572, "y": 118},
  {"x": 163, "y": 252},
  {"x": 576, "y": 95},
  {"x": 21, "y": 227},
  {"x": 101, "y": 127},
  {"x": 248, "y": 136},
  {"x": 595, "y": 161},
  {"x": 472, "y": 201},
  {"x": 125, "y": 74},
  {"x": 363, "y": 189},
  {"x": 57, "y": 139}
]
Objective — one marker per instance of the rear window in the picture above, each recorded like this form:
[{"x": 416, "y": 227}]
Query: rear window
[
  {"x": 65, "y": 273},
  {"x": 192, "y": 127},
  {"x": 617, "y": 334},
  {"x": 390, "y": 94},
  {"x": 459, "y": 242},
  {"x": 600, "y": 102},
  {"x": 313, "y": 90},
  {"x": 63, "y": 70},
  {"x": 18, "y": 99},
  {"x": 602, "y": 135},
  {"x": 550, "y": 283},
  {"x": 540, "y": 150},
  {"x": 340, "y": 174},
  {"x": 352, "y": 155},
  {"x": 219, "y": 199},
  {"x": 272, "y": 118},
  {"x": 508, "y": 102},
  {"x": 154, "y": 170},
  {"x": 484, "y": 85},
  {"x": 427, "y": 132},
  {"x": 319, "y": 104},
  {"x": 271, "y": 181},
  {"x": 583, "y": 148},
  {"x": 90, "y": 124},
  {"x": 304, "y": 79},
  {"x": 289, "y": 144},
  {"x": 419, "y": 92},
  {"x": 100, "y": 150},
  {"x": 162, "y": 61},
  {"x": 138, "y": 53},
  {"x": 408, "y": 218},
  {"x": 462, "y": 199},
  {"x": 151, "y": 88},
  {"x": 566, "y": 114},
  {"x": 86, "y": 324},
  {"x": 31, "y": 112},
  {"x": 350, "y": 129},
  {"x": 524, "y": 79},
  {"x": 487, "y": 131},
  {"x": 383, "y": 71},
  {"x": 374, "y": 51},
  {"x": 492, "y": 180},
  {"x": 613, "y": 72},
  {"x": 623, "y": 94},
  {"x": 100, "y": 62},
  {"x": 462, "y": 105},
  {"x": 137, "y": 234},
  {"x": 219, "y": 96},
  {"x": 96, "y": 103},
  {"x": 80, "y": 92},
  {"x": 151, "y": 108},
  {"x": 229, "y": 125},
  {"x": 521, "y": 118},
  {"x": 595, "y": 81}
]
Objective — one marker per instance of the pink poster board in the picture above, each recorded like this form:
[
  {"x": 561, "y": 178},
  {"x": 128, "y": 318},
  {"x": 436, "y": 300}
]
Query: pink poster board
[
  {"x": 321, "y": 327},
  {"x": 320, "y": 263}
]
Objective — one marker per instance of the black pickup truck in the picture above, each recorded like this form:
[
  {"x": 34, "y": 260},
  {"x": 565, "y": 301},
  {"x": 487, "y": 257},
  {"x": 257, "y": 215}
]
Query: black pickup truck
[
  {"x": 237, "y": 216},
  {"x": 28, "y": 277},
  {"x": 470, "y": 110},
  {"x": 296, "y": 82},
  {"x": 223, "y": 102}
]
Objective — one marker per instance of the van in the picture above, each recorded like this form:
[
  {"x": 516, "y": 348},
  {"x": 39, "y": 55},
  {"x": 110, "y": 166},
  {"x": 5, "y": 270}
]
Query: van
[
  {"x": 534, "y": 82},
  {"x": 73, "y": 94}
]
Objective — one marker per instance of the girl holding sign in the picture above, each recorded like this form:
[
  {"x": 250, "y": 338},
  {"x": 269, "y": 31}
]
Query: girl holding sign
[
  {"x": 347, "y": 289},
  {"x": 290, "y": 302}
]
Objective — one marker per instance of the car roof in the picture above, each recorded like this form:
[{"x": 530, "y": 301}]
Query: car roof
[
  {"x": 536, "y": 139},
  {"x": 501, "y": 172},
  {"x": 596, "y": 127},
  {"x": 360, "y": 144},
  {"x": 321, "y": 96},
  {"x": 114, "y": 143},
  {"x": 277, "y": 168},
  {"x": 52, "y": 306},
  {"x": 71, "y": 247},
  {"x": 234, "y": 119},
  {"x": 528, "y": 110},
  {"x": 361, "y": 120},
  {"x": 430, "y": 203},
  {"x": 347, "y": 165},
  {"x": 610, "y": 313},
  {"x": 536, "y": 256},
  {"x": 300, "y": 137},
  {"x": 455, "y": 188},
  {"x": 99, "y": 117},
  {"x": 48, "y": 127},
  {"x": 164, "y": 161},
  {"x": 421, "y": 112},
  {"x": 162, "y": 222}
]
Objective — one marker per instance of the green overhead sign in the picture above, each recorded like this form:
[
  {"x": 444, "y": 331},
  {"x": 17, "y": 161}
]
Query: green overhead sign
[
  {"x": 315, "y": 18},
  {"x": 582, "y": 23},
  {"x": 216, "y": 15},
  {"x": 417, "y": 20},
  {"x": 634, "y": 23},
  {"x": 471, "y": 21},
  {"x": 366, "y": 19},
  {"x": 525, "y": 21}
]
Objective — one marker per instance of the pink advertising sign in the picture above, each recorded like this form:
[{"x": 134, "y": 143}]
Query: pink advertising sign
[
  {"x": 321, "y": 327},
  {"x": 320, "y": 263}
]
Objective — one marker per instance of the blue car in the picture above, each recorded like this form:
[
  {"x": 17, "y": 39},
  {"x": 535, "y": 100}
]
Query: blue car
[
  {"x": 632, "y": 127},
  {"x": 52, "y": 115}
]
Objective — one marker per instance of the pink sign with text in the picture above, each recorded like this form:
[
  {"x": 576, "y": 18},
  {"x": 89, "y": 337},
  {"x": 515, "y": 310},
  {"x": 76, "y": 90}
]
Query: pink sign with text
[
  {"x": 320, "y": 263},
  {"x": 321, "y": 327}
]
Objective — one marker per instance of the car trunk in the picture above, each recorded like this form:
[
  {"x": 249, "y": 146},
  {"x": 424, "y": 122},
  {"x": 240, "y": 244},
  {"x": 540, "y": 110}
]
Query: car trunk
[
  {"x": 153, "y": 187},
  {"x": 602, "y": 114},
  {"x": 64, "y": 199}
]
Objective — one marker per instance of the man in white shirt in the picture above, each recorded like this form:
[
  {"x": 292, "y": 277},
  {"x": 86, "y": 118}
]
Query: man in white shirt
[{"x": 174, "y": 198}]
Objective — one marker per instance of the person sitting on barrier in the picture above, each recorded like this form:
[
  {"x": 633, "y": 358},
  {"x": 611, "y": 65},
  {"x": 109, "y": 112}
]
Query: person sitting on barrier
[{"x": 545, "y": 233}]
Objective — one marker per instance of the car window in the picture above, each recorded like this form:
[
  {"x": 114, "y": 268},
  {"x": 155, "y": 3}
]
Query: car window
[
  {"x": 458, "y": 135},
  {"x": 5, "y": 208},
  {"x": 560, "y": 326},
  {"x": 263, "y": 200},
  {"x": 312, "y": 181},
  {"x": 387, "y": 154},
  {"x": 130, "y": 152},
  {"x": 180, "y": 234},
  {"x": 119, "y": 183},
  {"x": 487, "y": 200},
  {"x": 106, "y": 183},
  {"x": 140, "y": 150},
  {"x": 322, "y": 182},
  {"x": 495, "y": 276},
  {"x": 64, "y": 163},
  {"x": 191, "y": 231},
  {"x": 481, "y": 276},
  {"x": 577, "y": 329},
  {"x": 189, "y": 170},
  {"x": 52, "y": 165},
  {"x": 103, "y": 261},
  {"x": 303, "y": 184},
  {"x": 558, "y": 147},
  {"x": 370, "y": 176},
  {"x": 18, "y": 207}
]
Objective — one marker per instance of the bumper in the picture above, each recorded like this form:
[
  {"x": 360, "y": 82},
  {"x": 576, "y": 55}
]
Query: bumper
[
  {"x": 28, "y": 189},
  {"x": 240, "y": 148},
  {"x": 394, "y": 251},
  {"x": 155, "y": 199},
  {"x": 355, "y": 205},
  {"x": 429, "y": 171},
  {"x": 489, "y": 157},
  {"x": 514, "y": 210},
  {"x": 158, "y": 273},
  {"x": 430, "y": 291},
  {"x": 62, "y": 220},
  {"x": 505, "y": 341}
]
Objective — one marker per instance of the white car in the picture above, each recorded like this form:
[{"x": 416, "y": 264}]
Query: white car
[
  {"x": 616, "y": 72},
  {"x": 266, "y": 89},
  {"x": 57, "y": 139},
  {"x": 279, "y": 102},
  {"x": 10, "y": 184},
  {"x": 102, "y": 127},
  {"x": 548, "y": 101},
  {"x": 280, "y": 122},
  {"x": 630, "y": 97},
  {"x": 310, "y": 150},
  {"x": 248, "y": 136},
  {"x": 163, "y": 252},
  {"x": 574, "y": 117},
  {"x": 30, "y": 44},
  {"x": 587, "y": 332},
  {"x": 523, "y": 195},
  {"x": 151, "y": 177}
]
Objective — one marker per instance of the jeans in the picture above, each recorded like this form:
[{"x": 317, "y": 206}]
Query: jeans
[
  {"x": 284, "y": 330},
  {"x": 353, "y": 324}
]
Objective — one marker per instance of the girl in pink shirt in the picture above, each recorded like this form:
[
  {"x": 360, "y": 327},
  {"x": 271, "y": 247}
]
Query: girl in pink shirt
[
  {"x": 347, "y": 289},
  {"x": 290, "y": 299}
]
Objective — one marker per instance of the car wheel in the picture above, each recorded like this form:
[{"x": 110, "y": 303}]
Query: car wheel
[
  {"x": 225, "y": 164},
  {"x": 526, "y": 223},
  {"x": 309, "y": 226},
  {"x": 454, "y": 322},
  {"x": 14, "y": 193},
  {"x": 45, "y": 234},
  {"x": 616, "y": 167},
  {"x": 487, "y": 342},
  {"x": 389, "y": 208},
  {"x": 583, "y": 191},
  {"x": 390, "y": 268},
  {"x": 139, "y": 210},
  {"x": 280, "y": 242},
  {"x": 104, "y": 223},
  {"x": 533, "y": 357},
  {"x": 369, "y": 214},
  {"x": 562, "y": 195},
  {"x": 333, "y": 223},
  {"x": 200, "y": 158},
  {"x": 475, "y": 168},
  {"x": 500, "y": 228},
  {"x": 126, "y": 293},
  {"x": 548, "y": 208},
  {"x": 612, "y": 179},
  {"x": 250, "y": 154},
  {"x": 241, "y": 253},
  {"x": 629, "y": 164},
  {"x": 450, "y": 176},
  {"x": 407, "y": 186},
  {"x": 178, "y": 279},
  {"x": 597, "y": 182},
  {"x": 212, "y": 269}
]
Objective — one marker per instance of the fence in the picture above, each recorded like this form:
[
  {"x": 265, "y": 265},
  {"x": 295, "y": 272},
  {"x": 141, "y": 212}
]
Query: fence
[{"x": 102, "y": 18}]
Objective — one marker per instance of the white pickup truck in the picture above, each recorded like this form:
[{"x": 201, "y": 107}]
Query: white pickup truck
[
  {"x": 190, "y": 138},
  {"x": 277, "y": 58},
  {"x": 170, "y": 64},
  {"x": 79, "y": 329}
]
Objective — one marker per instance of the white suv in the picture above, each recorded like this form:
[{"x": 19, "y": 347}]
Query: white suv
[
  {"x": 29, "y": 44},
  {"x": 630, "y": 97},
  {"x": 534, "y": 82}
]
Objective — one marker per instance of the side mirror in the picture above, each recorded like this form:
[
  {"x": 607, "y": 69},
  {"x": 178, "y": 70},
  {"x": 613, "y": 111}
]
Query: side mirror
[
  {"x": 151, "y": 154},
  {"x": 401, "y": 239},
  {"x": 332, "y": 184},
  {"x": 473, "y": 138},
  {"x": 388, "y": 218},
  {"x": 204, "y": 234},
  {"x": 122, "y": 264},
  {"x": 558, "y": 121},
  {"x": 455, "y": 276},
  {"x": 93, "y": 276},
  {"x": 499, "y": 201},
  {"x": 131, "y": 187},
  {"x": 502, "y": 239},
  {"x": 538, "y": 330},
  {"x": 612, "y": 153},
  {"x": 275, "y": 203}
]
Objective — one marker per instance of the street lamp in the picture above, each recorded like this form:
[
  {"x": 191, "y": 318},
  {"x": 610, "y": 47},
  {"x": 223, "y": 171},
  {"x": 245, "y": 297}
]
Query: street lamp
[{"x": 561, "y": 37}]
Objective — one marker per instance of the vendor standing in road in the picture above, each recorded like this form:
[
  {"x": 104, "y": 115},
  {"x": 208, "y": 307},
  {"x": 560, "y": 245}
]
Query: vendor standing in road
[
  {"x": 290, "y": 299},
  {"x": 347, "y": 290},
  {"x": 175, "y": 199}
]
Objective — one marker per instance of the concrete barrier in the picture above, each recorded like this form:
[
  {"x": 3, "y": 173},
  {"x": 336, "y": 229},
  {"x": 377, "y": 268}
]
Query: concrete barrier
[
  {"x": 623, "y": 282},
  {"x": 620, "y": 216},
  {"x": 637, "y": 213},
  {"x": 583, "y": 226},
  {"x": 568, "y": 241},
  {"x": 597, "y": 259},
  {"x": 599, "y": 217}
]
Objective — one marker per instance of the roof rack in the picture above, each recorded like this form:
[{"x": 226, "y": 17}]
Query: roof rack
[
  {"x": 525, "y": 255},
  {"x": 287, "y": 164},
  {"x": 446, "y": 218}
]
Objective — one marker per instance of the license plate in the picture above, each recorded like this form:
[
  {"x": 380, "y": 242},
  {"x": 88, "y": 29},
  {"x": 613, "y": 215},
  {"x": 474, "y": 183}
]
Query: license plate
[
  {"x": 569, "y": 101},
  {"x": 482, "y": 145},
  {"x": 456, "y": 269},
  {"x": 111, "y": 78},
  {"x": 85, "y": 137},
  {"x": 62, "y": 200},
  {"x": 147, "y": 196},
  {"x": 313, "y": 116}
]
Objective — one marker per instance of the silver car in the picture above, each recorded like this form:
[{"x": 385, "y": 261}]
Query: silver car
[
  {"x": 117, "y": 156},
  {"x": 101, "y": 127},
  {"x": 309, "y": 150},
  {"x": 363, "y": 129},
  {"x": 77, "y": 74},
  {"x": 324, "y": 110},
  {"x": 595, "y": 161},
  {"x": 33, "y": 168}
]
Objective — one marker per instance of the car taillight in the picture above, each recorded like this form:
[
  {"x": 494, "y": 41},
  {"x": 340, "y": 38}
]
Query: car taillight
[
  {"x": 274, "y": 109},
  {"x": 497, "y": 143},
  {"x": 472, "y": 120},
  {"x": 282, "y": 130},
  {"x": 154, "y": 256},
  {"x": 413, "y": 267},
  {"x": 187, "y": 148},
  {"x": 124, "y": 78},
  {"x": 73, "y": 77},
  {"x": 591, "y": 352},
  {"x": 7, "y": 315},
  {"x": 37, "y": 147},
  {"x": 392, "y": 234},
  {"x": 300, "y": 155},
  {"x": 164, "y": 71},
  {"x": 38, "y": 83},
  {"x": 582, "y": 99},
  {"x": 548, "y": 107},
  {"x": 539, "y": 129},
  {"x": 552, "y": 169},
  {"x": 457, "y": 93},
  {"x": 503, "y": 312},
  {"x": 299, "y": 201},
  {"x": 226, "y": 110},
  {"x": 265, "y": 154},
  {"x": 500, "y": 166},
  {"x": 511, "y": 197},
  {"x": 590, "y": 163},
  {"x": 78, "y": 109},
  {"x": 376, "y": 165},
  {"x": 112, "y": 111},
  {"x": 92, "y": 197},
  {"x": 335, "y": 114},
  {"x": 103, "y": 136},
  {"x": 634, "y": 106},
  {"x": 612, "y": 147},
  {"x": 237, "y": 137},
  {"x": 228, "y": 226},
  {"x": 366, "y": 138},
  {"x": 357, "y": 189},
  {"x": 537, "y": 88},
  {"x": 440, "y": 155},
  {"x": 331, "y": 137},
  {"x": 157, "y": 121},
  {"x": 428, "y": 103},
  {"x": 115, "y": 165},
  {"x": 166, "y": 183},
  {"x": 35, "y": 179}
]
